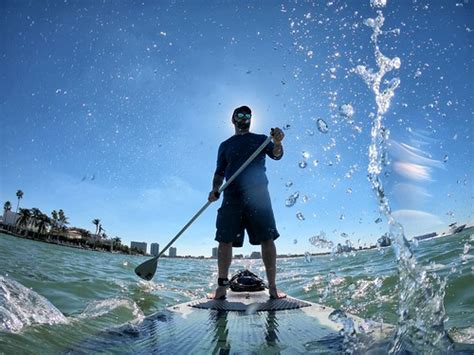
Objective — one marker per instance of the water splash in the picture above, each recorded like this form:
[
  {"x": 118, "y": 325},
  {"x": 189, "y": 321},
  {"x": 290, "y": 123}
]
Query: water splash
[
  {"x": 21, "y": 307},
  {"x": 320, "y": 241},
  {"x": 421, "y": 310}
]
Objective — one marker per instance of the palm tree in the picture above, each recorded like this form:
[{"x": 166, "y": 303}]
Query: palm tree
[
  {"x": 102, "y": 232},
  {"x": 62, "y": 219},
  {"x": 35, "y": 215},
  {"x": 115, "y": 242},
  {"x": 54, "y": 220},
  {"x": 24, "y": 218},
  {"x": 43, "y": 223},
  {"x": 96, "y": 222},
  {"x": 19, "y": 194},
  {"x": 7, "y": 206}
]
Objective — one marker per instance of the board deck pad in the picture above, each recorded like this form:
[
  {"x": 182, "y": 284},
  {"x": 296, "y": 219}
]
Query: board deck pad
[
  {"x": 241, "y": 324},
  {"x": 250, "y": 302}
]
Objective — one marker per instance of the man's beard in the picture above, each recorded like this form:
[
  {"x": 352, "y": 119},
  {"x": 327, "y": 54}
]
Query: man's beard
[{"x": 243, "y": 125}]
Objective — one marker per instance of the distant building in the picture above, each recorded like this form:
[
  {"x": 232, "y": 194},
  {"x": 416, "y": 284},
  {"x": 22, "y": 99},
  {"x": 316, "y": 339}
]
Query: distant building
[
  {"x": 214, "y": 253},
  {"x": 10, "y": 218},
  {"x": 255, "y": 255},
  {"x": 154, "y": 249},
  {"x": 139, "y": 245},
  {"x": 238, "y": 256},
  {"x": 173, "y": 252},
  {"x": 74, "y": 233}
]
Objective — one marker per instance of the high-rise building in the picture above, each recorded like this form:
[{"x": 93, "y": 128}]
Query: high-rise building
[
  {"x": 214, "y": 253},
  {"x": 154, "y": 249},
  {"x": 139, "y": 245},
  {"x": 173, "y": 252}
]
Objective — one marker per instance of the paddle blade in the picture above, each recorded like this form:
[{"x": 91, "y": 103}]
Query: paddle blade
[{"x": 147, "y": 269}]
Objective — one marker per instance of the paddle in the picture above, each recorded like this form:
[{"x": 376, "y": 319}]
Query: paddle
[{"x": 147, "y": 269}]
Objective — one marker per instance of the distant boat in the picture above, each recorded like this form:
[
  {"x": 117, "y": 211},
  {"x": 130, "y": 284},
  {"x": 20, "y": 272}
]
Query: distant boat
[
  {"x": 453, "y": 228},
  {"x": 384, "y": 241}
]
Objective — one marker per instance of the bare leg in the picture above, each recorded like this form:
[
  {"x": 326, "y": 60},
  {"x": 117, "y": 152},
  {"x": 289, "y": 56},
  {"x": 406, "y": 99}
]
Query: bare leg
[
  {"x": 269, "y": 259},
  {"x": 224, "y": 259}
]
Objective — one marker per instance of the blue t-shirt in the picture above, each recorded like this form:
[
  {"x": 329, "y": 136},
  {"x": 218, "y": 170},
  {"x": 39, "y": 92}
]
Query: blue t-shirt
[{"x": 234, "y": 152}]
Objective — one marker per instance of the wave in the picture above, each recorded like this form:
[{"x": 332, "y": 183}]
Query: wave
[
  {"x": 21, "y": 307},
  {"x": 97, "y": 309}
]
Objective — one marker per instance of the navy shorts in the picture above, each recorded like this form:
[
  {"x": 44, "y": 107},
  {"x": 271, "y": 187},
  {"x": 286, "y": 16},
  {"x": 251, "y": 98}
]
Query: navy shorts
[{"x": 250, "y": 210}]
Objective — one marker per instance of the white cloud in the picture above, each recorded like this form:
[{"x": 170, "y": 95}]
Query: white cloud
[
  {"x": 404, "y": 152},
  {"x": 412, "y": 171}
]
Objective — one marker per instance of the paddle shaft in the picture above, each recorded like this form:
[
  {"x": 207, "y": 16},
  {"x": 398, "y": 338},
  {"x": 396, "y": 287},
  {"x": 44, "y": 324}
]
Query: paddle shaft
[{"x": 222, "y": 188}]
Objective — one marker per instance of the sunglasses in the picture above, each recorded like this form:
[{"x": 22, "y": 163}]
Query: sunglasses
[{"x": 244, "y": 115}]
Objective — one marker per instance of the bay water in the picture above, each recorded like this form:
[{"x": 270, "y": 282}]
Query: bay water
[{"x": 52, "y": 297}]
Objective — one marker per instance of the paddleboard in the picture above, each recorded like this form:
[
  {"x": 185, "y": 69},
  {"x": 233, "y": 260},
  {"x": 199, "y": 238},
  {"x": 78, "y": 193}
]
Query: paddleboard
[{"x": 245, "y": 322}]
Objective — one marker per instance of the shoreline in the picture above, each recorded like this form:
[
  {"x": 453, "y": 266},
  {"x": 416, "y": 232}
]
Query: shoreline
[
  {"x": 283, "y": 256},
  {"x": 55, "y": 242}
]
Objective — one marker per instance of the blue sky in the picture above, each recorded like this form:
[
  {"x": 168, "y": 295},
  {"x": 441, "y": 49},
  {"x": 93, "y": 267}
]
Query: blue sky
[{"x": 115, "y": 111}]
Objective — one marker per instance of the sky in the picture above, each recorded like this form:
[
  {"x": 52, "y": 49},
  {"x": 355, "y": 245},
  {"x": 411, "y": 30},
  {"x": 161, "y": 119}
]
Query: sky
[{"x": 115, "y": 110}]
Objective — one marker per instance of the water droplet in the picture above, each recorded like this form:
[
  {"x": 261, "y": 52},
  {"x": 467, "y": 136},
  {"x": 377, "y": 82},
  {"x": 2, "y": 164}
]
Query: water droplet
[
  {"x": 295, "y": 241},
  {"x": 307, "y": 257},
  {"x": 309, "y": 132},
  {"x": 305, "y": 154},
  {"x": 315, "y": 162},
  {"x": 344, "y": 235},
  {"x": 378, "y": 3},
  {"x": 290, "y": 201},
  {"x": 289, "y": 184},
  {"x": 346, "y": 111},
  {"x": 300, "y": 216},
  {"x": 341, "y": 217},
  {"x": 286, "y": 127},
  {"x": 445, "y": 159},
  {"x": 378, "y": 220},
  {"x": 322, "y": 126},
  {"x": 305, "y": 198},
  {"x": 349, "y": 190},
  {"x": 302, "y": 164}
]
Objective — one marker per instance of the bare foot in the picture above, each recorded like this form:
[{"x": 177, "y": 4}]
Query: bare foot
[
  {"x": 219, "y": 294},
  {"x": 275, "y": 294}
]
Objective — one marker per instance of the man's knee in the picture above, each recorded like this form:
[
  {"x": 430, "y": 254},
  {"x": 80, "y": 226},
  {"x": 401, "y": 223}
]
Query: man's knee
[
  {"x": 225, "y": 245},
  {"x": 267, "y": 243}
]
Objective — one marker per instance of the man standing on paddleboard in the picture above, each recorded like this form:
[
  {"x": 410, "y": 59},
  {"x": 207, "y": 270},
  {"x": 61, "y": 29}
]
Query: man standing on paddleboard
[{"x": 246, "y": 205}]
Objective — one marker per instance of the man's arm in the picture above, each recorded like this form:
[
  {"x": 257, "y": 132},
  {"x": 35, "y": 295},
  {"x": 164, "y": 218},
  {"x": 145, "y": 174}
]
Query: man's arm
[
  {"x": 277, "y": 135},
  {"x": 277, "y": 150},
  {"x": 216, "y": 184}
]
